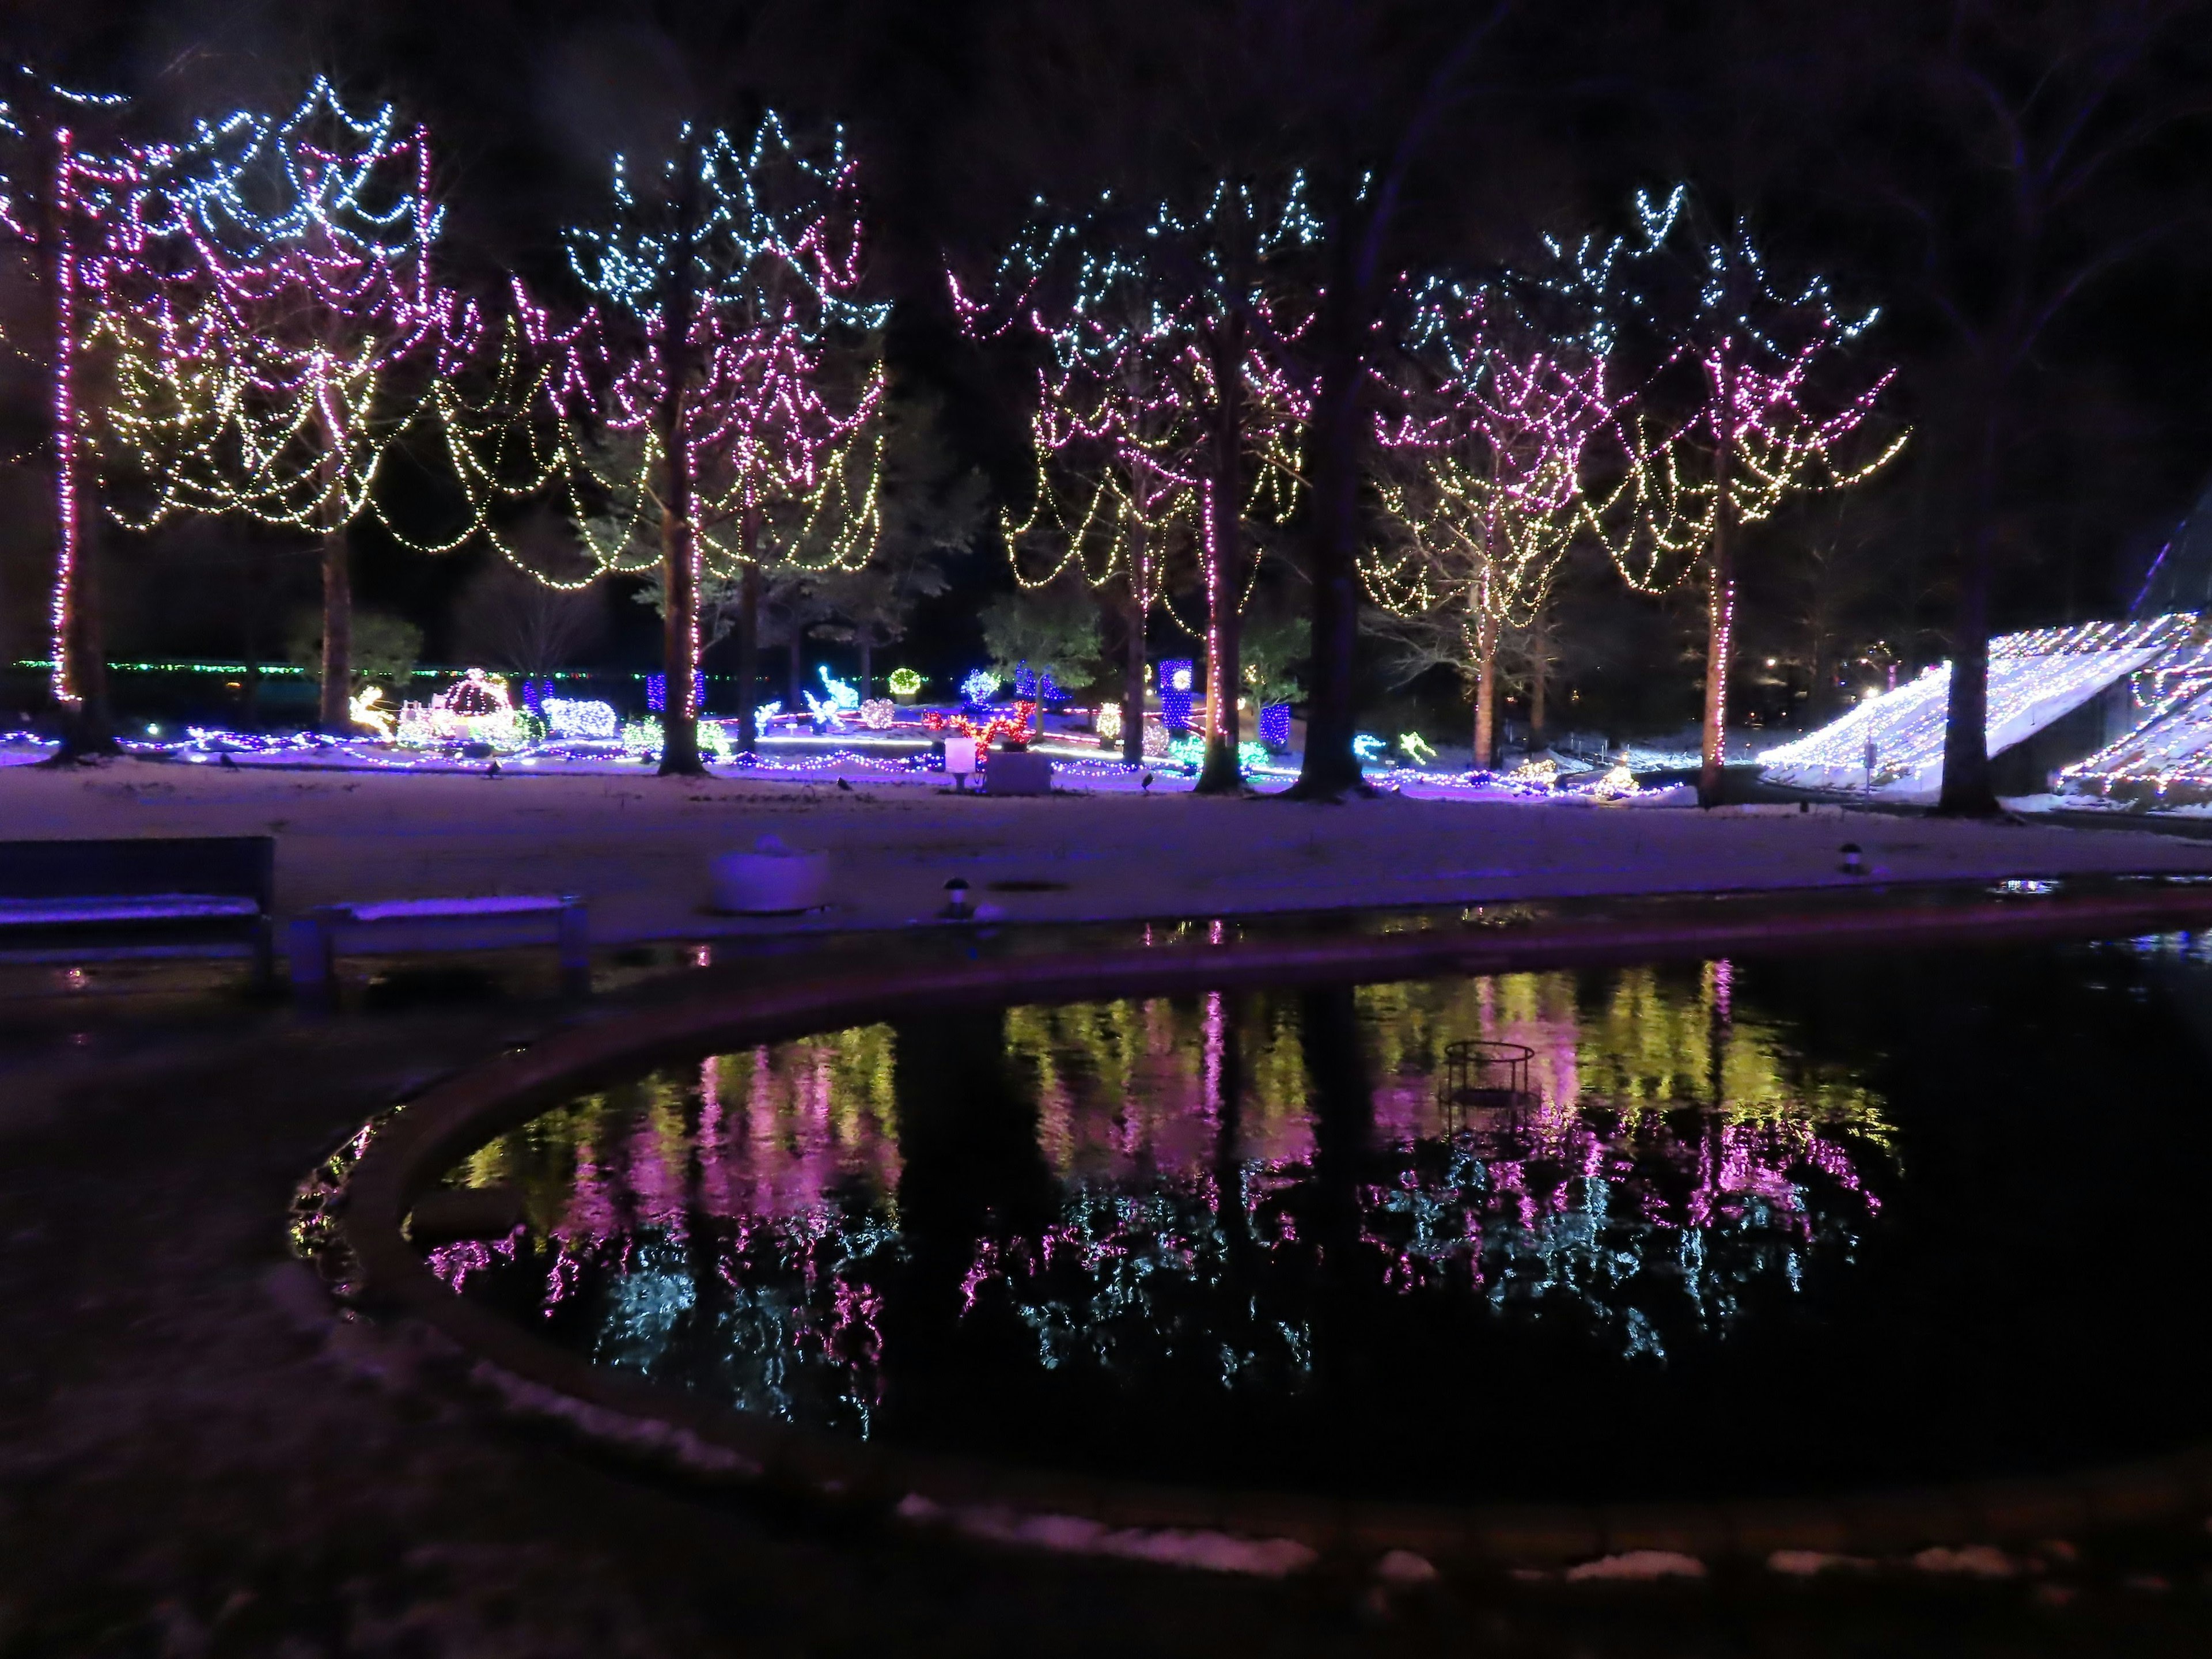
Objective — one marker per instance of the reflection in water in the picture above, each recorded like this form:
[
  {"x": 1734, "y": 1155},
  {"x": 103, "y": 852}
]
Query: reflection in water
[{"x": 1155, "y": 1216}]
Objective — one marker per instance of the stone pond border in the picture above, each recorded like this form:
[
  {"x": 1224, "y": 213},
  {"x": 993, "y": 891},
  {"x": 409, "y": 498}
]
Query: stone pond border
[{"x": 1278, "y": 1531}]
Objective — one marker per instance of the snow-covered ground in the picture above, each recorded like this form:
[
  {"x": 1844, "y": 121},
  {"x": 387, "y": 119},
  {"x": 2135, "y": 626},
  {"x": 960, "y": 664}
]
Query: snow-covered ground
[
  {"x": 855, "y": 756},
  {"x": 640, "y": 846}
]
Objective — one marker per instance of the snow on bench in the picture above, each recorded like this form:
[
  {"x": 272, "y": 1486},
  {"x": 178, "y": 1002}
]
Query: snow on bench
[
  {"x": 314, "y": 936},
  {"x": 405, "y": 909},
  {"x": 150, "y": 895},
  {"x": 150, "y": 907}
]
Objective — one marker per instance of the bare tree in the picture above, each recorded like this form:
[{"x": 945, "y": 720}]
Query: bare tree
[
  {"x": 2029, "y": 150},
  {"x": 525, "y": 621}
]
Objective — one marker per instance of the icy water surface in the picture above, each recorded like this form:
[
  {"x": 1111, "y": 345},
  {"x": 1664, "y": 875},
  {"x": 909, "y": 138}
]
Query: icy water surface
[{"x": 1760, "y": 1226}]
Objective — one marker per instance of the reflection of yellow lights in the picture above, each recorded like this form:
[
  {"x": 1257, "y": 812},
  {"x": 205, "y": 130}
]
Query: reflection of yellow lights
[{"x": 1118, "y": 1079}]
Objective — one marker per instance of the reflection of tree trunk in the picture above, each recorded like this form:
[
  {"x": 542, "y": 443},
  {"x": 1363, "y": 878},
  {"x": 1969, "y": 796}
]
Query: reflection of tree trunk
[
  {"x": 970, "y": 1171},
  {"x": 1225, "y": 1008},
  {"x": 1343, "y": 1131},
  {"x": 335, "y": 714},
  {"x": 1343, "y": 1102},
  {"x": 698, "y": 1348},
  {"x": 1720, "y": 595}
]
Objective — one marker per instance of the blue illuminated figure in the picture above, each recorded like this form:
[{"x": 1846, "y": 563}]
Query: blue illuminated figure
[
  {"x": 1175, "y": 682},
  {"x": 656, "y": 691},
  {"x": 1037, "y": 687}
]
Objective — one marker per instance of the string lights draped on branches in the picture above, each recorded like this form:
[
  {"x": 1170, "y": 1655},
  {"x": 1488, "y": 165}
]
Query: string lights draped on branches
[
  {"x": 1167, "y": 414},
  {"x": 270, "y": 298},
  {"x": 728, "y": 277},
  {"x": 1490, "y": 446},
  {"x": 1741, "y": 411}
]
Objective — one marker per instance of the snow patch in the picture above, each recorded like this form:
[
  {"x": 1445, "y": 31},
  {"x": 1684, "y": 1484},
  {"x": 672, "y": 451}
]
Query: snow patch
[
  {"x": 1808, "y": 1563},
  {"x": 643, "y": 1434},
  {"x": 1637, "y": 1566},
  {"x": 1973, "y": 1561},
  {"x": 1404, "y": 1567},
  {"x": 1075, "y": 1534}
]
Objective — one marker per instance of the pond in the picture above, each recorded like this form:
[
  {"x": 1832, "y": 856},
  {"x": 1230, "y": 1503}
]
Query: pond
[{"x": 1737, "y": 1228}]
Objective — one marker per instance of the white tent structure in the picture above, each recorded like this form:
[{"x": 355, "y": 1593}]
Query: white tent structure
[
  {"x": 2166, "y": 759},
  {"x": 2037, "y": 679}
]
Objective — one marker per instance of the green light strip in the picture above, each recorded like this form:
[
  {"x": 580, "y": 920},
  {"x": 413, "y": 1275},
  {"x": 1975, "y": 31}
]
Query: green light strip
[{"x": 43, "y": 663}]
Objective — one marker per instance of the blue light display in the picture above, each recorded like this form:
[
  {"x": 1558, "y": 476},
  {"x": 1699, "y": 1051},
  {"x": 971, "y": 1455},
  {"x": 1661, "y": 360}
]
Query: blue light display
[
  {"x": 1175, "y": 682},
  {"x": 1275, "y": 726},
  {"x": 1037, "y": 687},
  {"x": 656, "y": 691}
]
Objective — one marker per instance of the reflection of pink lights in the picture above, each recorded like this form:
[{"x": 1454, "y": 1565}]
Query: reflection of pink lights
[
  {"x": 1543, "y": 1200},
  {"x": 456, "y": 1263}
]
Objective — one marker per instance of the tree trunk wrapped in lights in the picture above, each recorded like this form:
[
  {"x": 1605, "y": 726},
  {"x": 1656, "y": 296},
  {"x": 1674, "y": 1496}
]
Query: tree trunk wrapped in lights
[{"x": 64, "y": 207}]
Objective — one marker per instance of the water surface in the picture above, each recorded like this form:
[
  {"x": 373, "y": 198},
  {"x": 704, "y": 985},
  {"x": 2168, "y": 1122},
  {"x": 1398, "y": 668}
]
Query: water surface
[{"x": 1738, "y": 1227}]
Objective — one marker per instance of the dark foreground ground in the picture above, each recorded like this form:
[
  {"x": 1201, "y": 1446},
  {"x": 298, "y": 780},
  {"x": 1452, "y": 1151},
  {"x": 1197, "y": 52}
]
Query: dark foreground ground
[{"x": 197, "y": 1458}]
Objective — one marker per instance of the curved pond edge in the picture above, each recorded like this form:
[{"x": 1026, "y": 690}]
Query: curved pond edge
[{"x": 1234, "y": 1529}]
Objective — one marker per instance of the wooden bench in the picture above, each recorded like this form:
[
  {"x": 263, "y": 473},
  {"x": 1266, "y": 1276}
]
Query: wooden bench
[
  {"x": 181, "y": 896},
  {"x": 315, "y": 936}
]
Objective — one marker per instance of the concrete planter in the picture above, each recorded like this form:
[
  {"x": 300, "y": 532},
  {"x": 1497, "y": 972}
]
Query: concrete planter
[
  {"x": 771, "y": 880},
  {"x": 1016, "y": 772}
]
